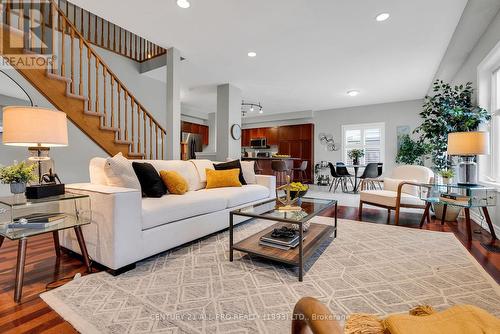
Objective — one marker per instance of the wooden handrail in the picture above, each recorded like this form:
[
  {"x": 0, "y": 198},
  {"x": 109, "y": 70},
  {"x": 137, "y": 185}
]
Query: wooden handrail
[
  {"x": 105, "y": 92},
  {"x": 103, "y": 64}
]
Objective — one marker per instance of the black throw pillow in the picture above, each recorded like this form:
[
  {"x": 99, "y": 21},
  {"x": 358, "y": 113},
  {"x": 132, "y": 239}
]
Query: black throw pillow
[
  {"x": 231, "y": 165},
  {"x": 150, "y": 180}
]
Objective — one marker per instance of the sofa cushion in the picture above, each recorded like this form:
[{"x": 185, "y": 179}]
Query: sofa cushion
[
  {"x": 174, "y": 181},
  {"x": 119, "y": 172},
  {"x": 151, "y": 182},
  {"x": 235, "y": 164},
  {"x": 171, "y": 208},
  {"x": 388, "y": 198},
  {"x": 201, "y": 165},
  {"x": 239, "y": 195},
  {"x": 223, "y": 178},
  {"x": 185, "y": 168},
  {"x": 248, "y": 169}
]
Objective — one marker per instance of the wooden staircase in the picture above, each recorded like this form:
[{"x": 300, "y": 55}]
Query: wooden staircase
[{"x": 79, "y": 83}]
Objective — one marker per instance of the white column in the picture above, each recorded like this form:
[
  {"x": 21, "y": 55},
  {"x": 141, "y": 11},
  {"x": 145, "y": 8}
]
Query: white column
[
  {"x": 173, "y": 127},
  {"x": 228, "y": 114},
  {"x": 212, "y": 132}
]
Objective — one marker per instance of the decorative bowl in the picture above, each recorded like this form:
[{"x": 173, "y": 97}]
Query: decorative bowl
[{"x": 294, "y": 194}]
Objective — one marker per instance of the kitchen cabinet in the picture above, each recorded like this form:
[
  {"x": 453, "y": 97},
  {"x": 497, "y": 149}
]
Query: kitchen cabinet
[{"x": 200, "y": 129}]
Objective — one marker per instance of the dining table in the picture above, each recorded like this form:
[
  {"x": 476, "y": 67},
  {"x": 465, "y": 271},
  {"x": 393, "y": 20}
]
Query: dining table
[{"x": 356, "y": 168}]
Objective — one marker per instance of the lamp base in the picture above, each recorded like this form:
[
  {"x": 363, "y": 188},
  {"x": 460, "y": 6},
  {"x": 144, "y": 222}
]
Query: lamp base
[
  {"x": 44, "y": 190},
  {"x": 467, "y": 172}
]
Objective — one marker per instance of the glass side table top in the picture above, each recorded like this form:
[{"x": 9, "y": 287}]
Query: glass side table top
[
  {"x": 75, "y": 207},
  {"x": 22, "y": 200},
  {"x": 459, "y": 195},
  {"x": 270, "y": 209}
]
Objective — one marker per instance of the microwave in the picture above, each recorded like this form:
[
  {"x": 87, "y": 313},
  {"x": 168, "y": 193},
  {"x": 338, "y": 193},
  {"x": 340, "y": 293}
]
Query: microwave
[{"x": 258, "y": 143}]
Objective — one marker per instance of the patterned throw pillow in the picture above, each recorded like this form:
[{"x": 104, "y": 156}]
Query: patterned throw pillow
[{"x": 119, "y": 172}]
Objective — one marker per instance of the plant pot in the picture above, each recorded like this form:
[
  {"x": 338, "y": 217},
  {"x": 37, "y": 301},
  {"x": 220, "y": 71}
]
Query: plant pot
[
  {"x": 18, "y": 188},
  {"x": 447, "y": 180},
  {"x": 452, "y": 212}
]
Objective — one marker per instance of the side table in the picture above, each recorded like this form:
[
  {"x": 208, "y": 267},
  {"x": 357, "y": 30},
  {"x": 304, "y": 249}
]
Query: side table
[
  {"x": 466, "y": 197},
  {"x": 77, "y": 212}
]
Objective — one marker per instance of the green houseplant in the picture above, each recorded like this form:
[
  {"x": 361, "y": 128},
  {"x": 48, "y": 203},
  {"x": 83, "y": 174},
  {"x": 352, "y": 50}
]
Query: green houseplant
[
  {"x": 412, "y": 152},
  {"x": 450, "y": 109},
  {"x": 355, "y": 154},
  {"x": 17, "y": 175}
]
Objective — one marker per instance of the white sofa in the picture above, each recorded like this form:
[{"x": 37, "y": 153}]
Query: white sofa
[{"x": 127, "y": 228}]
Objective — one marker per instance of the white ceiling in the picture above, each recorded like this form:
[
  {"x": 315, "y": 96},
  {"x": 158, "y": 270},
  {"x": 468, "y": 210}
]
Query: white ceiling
[{"x": 309, "y": 52}]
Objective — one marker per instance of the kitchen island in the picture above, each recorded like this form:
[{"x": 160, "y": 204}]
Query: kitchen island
[{"x": 264, "y": 164}]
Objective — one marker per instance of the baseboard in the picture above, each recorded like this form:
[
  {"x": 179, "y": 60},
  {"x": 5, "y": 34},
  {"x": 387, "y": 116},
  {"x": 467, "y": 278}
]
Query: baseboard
[{"x": 478, "y": 218}]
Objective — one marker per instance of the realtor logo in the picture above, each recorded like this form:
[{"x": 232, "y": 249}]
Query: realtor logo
[{"x": 28, "y": 34}]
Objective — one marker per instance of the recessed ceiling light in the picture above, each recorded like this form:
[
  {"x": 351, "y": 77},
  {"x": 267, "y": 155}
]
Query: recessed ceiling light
[
  {"x": 261, "y": 111},
  {"x": 352, "y": 92},
  {"x": 382, "y": 17},
  {"x": 252, "y": 54},
  {"x": 183, "y": 3}
]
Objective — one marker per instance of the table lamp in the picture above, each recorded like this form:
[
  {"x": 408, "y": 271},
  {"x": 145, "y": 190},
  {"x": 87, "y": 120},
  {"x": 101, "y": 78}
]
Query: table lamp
[
  {"x": 38, "y": 129},
  {"x": 467, "y": 145}
]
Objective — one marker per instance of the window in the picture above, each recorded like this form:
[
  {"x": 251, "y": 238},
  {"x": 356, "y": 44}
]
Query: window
[{"x": 368, "y": 137}]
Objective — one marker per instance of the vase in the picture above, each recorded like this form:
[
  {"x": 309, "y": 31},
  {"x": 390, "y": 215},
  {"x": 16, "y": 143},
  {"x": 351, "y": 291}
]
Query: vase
[
  {"x": 355, "y": 161},
  {"x": 18, "y": 187}
]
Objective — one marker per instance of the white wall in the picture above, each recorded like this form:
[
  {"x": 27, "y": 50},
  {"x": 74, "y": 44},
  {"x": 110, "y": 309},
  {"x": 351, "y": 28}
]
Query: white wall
[
  {"x": 468, "y": 72},
  {"x": 393, "y": 114}
]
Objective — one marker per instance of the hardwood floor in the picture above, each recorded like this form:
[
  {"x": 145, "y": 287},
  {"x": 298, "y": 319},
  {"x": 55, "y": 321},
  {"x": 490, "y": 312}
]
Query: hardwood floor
[{"x": 42, "y": 268}]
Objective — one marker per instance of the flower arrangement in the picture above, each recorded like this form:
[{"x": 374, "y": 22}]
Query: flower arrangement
[{"x": 17, "y": 173}]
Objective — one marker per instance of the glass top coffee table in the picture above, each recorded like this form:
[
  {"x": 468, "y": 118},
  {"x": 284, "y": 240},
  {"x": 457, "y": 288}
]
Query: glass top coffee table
[{"x": 309, "y": 241}]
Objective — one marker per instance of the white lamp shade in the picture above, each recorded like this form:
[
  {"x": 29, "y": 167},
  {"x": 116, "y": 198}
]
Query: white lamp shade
[
  {"x": 31, "y": 126},
  {"x": 468, "y": 143}
]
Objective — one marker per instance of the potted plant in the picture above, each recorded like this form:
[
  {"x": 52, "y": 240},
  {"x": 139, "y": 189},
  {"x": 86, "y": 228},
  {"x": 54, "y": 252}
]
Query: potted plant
[
  {"x": 450, "y": 109},
  {"x": 412, "y": 152},
  {"x": 447, "y": 175},
  {"x": 17, "y": 175},
  {"x": 355, "y": 154}
]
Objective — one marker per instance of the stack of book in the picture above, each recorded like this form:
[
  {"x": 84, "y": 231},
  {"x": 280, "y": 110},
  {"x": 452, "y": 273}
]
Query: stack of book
[
  {"x": 454, "y": 198},
  {"x": 280, "y": 242},
  {"x": 38, "y": 220}
]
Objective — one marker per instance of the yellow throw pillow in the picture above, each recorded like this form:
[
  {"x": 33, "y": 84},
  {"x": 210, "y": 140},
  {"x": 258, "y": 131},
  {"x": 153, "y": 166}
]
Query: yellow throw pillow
[
  {"x": 223, "y": 178},
  {"x": 174, "y": 181}
]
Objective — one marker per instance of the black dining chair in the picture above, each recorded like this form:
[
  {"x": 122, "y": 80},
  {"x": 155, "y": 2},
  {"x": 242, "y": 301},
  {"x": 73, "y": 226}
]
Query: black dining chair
[
  {"x": 369, "y": 174},
  {"x": 344, "y": 173},
  {"x": 337, "y": 179}
]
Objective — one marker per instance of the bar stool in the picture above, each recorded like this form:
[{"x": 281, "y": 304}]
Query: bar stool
[
  {"x": 257, "y": 168},
  {"x": 280, "y": 170},
  {"x": 302, "y": 171}
]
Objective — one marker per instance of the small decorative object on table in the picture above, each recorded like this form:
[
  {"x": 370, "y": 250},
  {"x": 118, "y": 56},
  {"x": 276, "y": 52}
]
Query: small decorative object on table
[
  {"x": 355, "y": 154},
  {"x": 288, "y": 202},
  {"x": 447, "y": 175},
  {"x": 17, "y": 175}
]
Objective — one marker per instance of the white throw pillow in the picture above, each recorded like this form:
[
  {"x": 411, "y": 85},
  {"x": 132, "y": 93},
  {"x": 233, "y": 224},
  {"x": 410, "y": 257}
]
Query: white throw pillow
[
  {"x": 120, "y": 173},
  {"x": 248, "y": 169},
  {"x": 393, "y": 184}
]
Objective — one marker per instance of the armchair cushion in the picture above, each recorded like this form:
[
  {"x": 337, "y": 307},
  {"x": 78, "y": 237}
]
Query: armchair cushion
[
  {"x": 393, "y": 184},
  {"x": 388, "y": 198}
]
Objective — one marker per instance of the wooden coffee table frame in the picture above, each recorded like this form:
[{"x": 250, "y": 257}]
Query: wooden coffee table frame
[{"x": 315, "y": 236}]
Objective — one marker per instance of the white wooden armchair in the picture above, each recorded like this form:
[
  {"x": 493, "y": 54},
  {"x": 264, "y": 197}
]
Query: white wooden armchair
[{"x": 401, "y": 190}]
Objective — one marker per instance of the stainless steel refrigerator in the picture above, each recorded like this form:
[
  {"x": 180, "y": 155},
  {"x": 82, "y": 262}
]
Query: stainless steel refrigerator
[{"x": 194, "y": 144}]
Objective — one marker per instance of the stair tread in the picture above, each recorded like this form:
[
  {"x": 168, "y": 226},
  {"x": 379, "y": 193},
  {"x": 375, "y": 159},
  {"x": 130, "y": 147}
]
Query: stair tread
[
  {"x": 126, "y": 142},
  {"x": 109, "y": 128},
  {"x": 93, "y": 113},
  {"x": 135, "y": 154}
]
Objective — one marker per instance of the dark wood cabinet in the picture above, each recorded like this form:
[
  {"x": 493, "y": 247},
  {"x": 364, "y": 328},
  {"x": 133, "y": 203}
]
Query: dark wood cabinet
[
  {"x": 294, "y": 140},
  {"x": 200, "y": 129}
]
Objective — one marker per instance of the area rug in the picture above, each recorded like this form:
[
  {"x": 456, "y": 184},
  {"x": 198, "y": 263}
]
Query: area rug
[{"x": 368, "y": 268}]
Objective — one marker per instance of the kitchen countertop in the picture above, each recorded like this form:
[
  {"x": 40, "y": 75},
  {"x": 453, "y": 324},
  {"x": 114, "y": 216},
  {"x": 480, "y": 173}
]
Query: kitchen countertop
[{"x": 271, "y": 158}]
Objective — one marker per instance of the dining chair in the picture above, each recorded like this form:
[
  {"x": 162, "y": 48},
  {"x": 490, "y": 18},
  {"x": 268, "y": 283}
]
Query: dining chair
[
  {"x": 343, "y": 172},
  {"x": 370, "y": 173},
  {"x": 280, "y": 170},
  {"x": 337, "y": 179}
]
